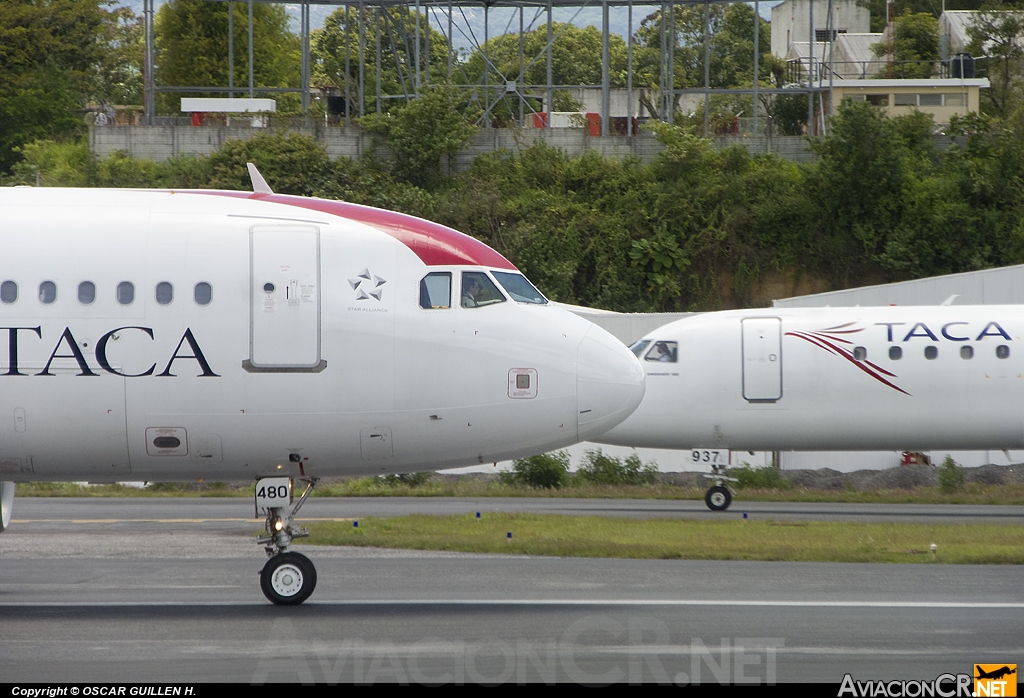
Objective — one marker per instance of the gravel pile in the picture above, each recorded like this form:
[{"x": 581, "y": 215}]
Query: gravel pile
[{"x": 902, "y": 477}]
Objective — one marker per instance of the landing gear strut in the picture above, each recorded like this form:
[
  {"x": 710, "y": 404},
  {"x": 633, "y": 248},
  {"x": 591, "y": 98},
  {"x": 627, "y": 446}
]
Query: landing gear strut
[
  {"x": 718, "y": 497},
  {"x": 288, "y": 578}
]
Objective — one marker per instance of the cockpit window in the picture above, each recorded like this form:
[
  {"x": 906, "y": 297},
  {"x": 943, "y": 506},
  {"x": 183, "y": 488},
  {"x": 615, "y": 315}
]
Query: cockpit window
[
  {"x": 521, "y": 290},
  {"x": 639, "y": 347},
  {"x": 436, "y": 291},
  {"x": 478, "y": 290},
  {"x": 663, "y": 351}
]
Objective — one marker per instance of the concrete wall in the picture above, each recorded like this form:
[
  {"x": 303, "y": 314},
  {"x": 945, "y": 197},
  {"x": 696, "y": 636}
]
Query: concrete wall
[{"x": 162, "y": 142}]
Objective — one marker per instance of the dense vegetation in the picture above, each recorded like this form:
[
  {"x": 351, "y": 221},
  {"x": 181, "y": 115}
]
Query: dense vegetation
[{"x": 695, "y": 229}]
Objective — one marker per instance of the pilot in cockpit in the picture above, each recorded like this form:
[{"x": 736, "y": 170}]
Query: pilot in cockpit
[
  {"x": 470, "y": 291},
  {"x": 663, "y": 351}
]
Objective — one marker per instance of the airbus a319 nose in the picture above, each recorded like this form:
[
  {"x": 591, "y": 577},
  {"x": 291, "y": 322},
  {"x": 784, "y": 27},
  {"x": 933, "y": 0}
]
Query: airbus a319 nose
[{"x": 609, "y": 383}]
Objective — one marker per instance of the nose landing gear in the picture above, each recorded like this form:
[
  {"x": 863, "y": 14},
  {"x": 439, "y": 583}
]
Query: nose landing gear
[
  {"x": 718, "y": 497},
  {"x": 288, "y": 578}
]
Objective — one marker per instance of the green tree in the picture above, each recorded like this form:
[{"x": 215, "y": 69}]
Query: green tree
[
  {"x": 117, "y": 76},
  {"x": 398, "y": 61},
  {"x": 424, "y": 130},
  {"x": 951, "y": 475},
  {"x": 857, "y": 188},
  {"x": 900, "y": 7},
  {"x": 575, "y": 56},
  {"x": 730, "y": 48},
  {"x": 548, "y": 471},
  {"x": 998, "y": 34},
  {"x": 597, "y": 468},
  {"x": 192, "y": 49},
  {"x": 48, "y": 52},
  {"x": 292, "y": 164},
  {"x": 915, "y": 46},
  {"x": 575, "y": 60},
  {"x": 57, "y": 164}
]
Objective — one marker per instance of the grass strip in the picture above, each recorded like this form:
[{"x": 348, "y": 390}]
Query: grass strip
[
  {"x": 669, "y": 539},
  {"x": 970, "y": 493}
]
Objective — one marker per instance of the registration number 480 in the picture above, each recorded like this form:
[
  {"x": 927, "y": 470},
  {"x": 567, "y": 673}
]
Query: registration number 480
[{"x": 273, "y": 493}]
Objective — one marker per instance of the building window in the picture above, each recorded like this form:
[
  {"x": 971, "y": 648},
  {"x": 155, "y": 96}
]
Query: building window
[
  {"x": 904, "y": 100},
  {"x": 930, "y": 99},
  {"x": 954, "y": 99},
  {"x": 822, "y": 35},
  {"x": 877, "y": 100}
]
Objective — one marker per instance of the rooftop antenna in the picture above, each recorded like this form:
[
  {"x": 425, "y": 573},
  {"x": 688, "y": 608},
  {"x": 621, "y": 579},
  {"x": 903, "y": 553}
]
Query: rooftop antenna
[
  {"x": 259, "y": 185},
  {"x": 890, "y": 42}
]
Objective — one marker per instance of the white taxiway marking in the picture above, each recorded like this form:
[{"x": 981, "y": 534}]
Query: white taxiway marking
[{"x": 556, "y": 602}]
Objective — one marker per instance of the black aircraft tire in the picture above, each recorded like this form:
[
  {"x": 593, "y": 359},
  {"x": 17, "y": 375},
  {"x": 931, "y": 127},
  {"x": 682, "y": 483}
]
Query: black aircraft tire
[
  {"x": 718, "y": 498},
  {"x": 288, "y": 579}
]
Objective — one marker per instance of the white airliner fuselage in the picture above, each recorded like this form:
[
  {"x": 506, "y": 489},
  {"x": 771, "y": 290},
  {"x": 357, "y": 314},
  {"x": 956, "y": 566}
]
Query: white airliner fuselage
[
  {"x": 174, "y": 336},
  {"x": 818, "y": 379},
  {"x": 222, "y": 335}
]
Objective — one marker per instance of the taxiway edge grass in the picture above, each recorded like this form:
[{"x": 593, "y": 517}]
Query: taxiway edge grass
[
  {"x": 970, "y": 493},
  {"x": 593, "y": 536}
]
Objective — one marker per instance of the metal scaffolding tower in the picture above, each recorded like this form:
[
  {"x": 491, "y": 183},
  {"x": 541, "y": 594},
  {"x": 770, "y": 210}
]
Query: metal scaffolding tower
[{"x": 494, "y": 86}]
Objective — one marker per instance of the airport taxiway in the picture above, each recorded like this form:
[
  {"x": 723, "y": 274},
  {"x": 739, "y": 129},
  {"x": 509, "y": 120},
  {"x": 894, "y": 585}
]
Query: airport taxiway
[{"x": 167, "y": 591}]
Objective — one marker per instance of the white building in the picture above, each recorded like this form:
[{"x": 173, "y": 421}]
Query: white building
[{"x": 791, "y": 22}]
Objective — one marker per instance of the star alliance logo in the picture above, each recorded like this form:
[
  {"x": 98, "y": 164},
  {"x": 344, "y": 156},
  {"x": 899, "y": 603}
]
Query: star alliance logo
[{"x": 367, "y": 285}]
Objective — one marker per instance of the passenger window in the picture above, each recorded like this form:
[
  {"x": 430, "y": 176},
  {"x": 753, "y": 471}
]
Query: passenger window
[
  {"x": 966, "y": 352},
  {"x": 126, "y": 293},
  {"x": 663, "y": 351},
  {"x": 203, "y": 293},
  {"x": 931, "y": 352},
  {"x": 860, "y": 353},
  {"x": 436, "y": 291},
  {"x": 86, "y": 292},
  {"x": 639, "y": 347},
  {"x": 47, "y": 292},
  {"x": 8, "y": 292},
  {"x": 1003, "y": 351},
  {"x": 164, "y": 293},
  {"x": 895, "y": 353},
  {"x": 478, "y": 290}
]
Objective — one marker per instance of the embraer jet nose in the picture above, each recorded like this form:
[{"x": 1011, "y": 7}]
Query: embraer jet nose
[{"x": 609, "y": 383}]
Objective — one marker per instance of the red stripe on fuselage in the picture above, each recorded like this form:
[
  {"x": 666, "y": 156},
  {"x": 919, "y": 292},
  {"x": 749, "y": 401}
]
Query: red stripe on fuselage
[
  {"x": 840, "y": 351},
  {"x": 435, "y": 244}
]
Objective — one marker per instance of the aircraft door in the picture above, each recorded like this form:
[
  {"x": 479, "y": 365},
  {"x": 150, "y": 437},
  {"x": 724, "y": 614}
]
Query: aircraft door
[
  {"x": 284, "y": 327},
  {"x": 762, "y": 359}
]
